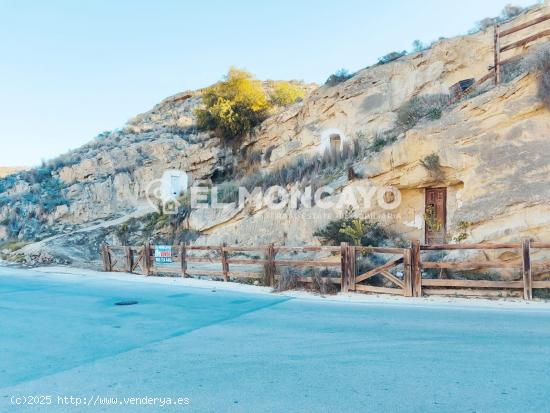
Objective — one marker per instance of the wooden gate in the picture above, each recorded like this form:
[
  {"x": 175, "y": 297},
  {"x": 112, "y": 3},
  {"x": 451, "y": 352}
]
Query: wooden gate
[{"x": 399, "y": 284}]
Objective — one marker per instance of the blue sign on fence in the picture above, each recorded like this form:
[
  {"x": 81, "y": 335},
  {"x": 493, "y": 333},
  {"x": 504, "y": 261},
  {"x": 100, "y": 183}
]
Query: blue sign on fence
[{"x": 163, "y": 254}]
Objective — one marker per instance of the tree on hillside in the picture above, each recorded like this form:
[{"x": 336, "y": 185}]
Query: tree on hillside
[{"x": 233, "y": 106}]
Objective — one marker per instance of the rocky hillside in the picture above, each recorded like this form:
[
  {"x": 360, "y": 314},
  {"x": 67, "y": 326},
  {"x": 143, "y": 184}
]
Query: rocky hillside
[{"x": 488, "y": 149}]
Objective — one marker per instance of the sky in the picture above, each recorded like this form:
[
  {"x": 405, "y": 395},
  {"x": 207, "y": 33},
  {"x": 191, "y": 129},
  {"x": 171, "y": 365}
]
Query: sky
[{"x": 72, "y": 69}]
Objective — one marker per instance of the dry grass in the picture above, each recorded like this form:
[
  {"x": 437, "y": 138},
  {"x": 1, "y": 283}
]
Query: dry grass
[
  {"x": 322, "y": 283},
  {"x": 429, "y": 107},
  {"x": 287, "y": 281},
  {"x": 8, "y": 170}
]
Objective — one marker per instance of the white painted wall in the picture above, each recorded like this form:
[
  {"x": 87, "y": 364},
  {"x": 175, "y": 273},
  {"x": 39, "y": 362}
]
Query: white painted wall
[{"x": 174, "y": 183}]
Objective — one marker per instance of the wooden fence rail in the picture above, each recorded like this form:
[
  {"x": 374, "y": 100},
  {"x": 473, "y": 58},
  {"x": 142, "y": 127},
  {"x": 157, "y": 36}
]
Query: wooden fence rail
[
  {"x": 495, "y": 69},
  {"x": 356, "y": 273},
  {"x": 499, "y": 34}
]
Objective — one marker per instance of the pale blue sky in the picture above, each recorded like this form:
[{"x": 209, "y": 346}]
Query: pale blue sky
[{"x": 71, "y": 69}]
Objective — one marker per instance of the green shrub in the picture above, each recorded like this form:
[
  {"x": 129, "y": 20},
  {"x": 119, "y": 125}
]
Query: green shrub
[
  {"x": 233, "y": 106},
  {"x": 340, "y": 76},
  {"x": 390, "y": 57},
  {"x": 8, "y": 182},
  {"x": 355, "y": 231},
  {"x": 418, "y": 46},
  {"x": 421, "y": 107},
  {"x": 431, "y": 162},
  {"x": 463, "y": 231},
  {"x": 508, "y": 12}
]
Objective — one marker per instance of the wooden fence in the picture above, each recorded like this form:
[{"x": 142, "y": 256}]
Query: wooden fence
[
  {"x": 498, "y": 34},
  {"x": 410, "y": 266}
]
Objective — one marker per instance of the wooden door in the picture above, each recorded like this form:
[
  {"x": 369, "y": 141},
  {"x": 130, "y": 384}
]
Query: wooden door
[{"x": 435, "y": 215}]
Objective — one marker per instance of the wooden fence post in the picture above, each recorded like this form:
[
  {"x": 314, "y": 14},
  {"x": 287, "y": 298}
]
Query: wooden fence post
[
  {"x": 269, "y": 266},
  {"x": 183, "y": 259},
  {"x": 129, "y": 255},
  {"x": 345, "y": 270},
  {"x": 225, "y": 264},
  {"x": 352, "y": 260},
  {"x": 147, "y": 258},
  {"x": 496, "y": 42},
  {"x": 106, "y": 254},
  {"x": 416, "y": 274},
  {"x": 527, "y": 276},
  {"x": 407, "y": 274},
  {"x": 103, "y": 257}
]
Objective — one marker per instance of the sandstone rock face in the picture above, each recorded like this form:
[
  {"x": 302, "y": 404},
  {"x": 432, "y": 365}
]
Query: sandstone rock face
[{"x": 493, "y": 151}]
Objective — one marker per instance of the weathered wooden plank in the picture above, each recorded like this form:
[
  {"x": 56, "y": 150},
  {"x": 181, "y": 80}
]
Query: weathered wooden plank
[
  {"x": 147, "y": 263},
  {"x": 480, "y": 81},
  {"x": 225, "y": 264},
  {"x": 351, "y": 265},
  {"x": 344, "y": 280},
  {"x": 380, "y": 290},
  {"x": 480, "y": 246},
  {"x": 269, "y": 266},
  {"x": 470, "y": 265},
  {"x": 377, "y": 270},
  {"x": 245, "y": 249},
  {"x": 245, "y": 274},
  {"x": 204, "y": 247},
  {"x": 139, "y": 262},
  {"x": 382, "y": 250},
  {"x": 540, "y": 244},
  {"x": 316, "y": 248},
  {"x": 527, "y": 276},
  {"x": 334, "y": 280},
  {"x": 472, "y": 283},
  {"x": 392, "y": 278},
  {"x": 196, "y": 271},
  {"x": 246, "y": 261},
  {"x": 540, "y": 265},
  {"x": 541, "y": 284},
  {"x": 183, "y": 259},
  {"x": 416, "y": 272},
  {"x": 472, "y": 293},
  {"x": 171, "y": 270},
  {"x": 128, "y": 254},
  {"x": 104, "y": 253},
  {"x": 210, "y": 260},
  {"x": 302, "y": 263},
  {"x": 496, "y": 50},
  {"x": 523, "y": 42},
  {"x": 407, "y": 274},
  {"x": 524, "y": 25}
]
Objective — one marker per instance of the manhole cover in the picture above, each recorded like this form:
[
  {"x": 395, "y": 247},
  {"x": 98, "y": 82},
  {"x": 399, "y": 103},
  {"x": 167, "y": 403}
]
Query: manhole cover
[{"x": 130, "y": 302}]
